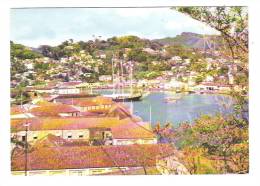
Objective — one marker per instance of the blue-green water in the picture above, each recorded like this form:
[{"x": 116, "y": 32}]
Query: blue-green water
[{"x": 186, "y": 108}]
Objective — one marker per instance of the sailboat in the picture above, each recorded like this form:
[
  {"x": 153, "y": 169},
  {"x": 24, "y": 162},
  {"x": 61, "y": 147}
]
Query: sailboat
[{"x": 124, "y": 97}]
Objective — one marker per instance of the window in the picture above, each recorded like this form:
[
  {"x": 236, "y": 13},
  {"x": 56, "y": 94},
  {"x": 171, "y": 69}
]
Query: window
[
  {"x": 98, "y": 171},
  {"x": 35, "y": 137},
  {"x": 81, "y": 136},
  {"x": 23, "y": 138},
  {"x": 76, "y": 173},
  {"x": 69, "y": 136}
]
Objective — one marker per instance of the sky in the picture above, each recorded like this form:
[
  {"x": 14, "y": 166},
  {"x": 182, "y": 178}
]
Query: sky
[{"x": 51, "y": 26}]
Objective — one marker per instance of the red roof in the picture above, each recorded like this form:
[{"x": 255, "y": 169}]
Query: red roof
[
  {"x": 130, "y": 129},
  {"x": 121, "y": 129},
  {"x": 52, "y": 109},
  {"x": 68, "y": 123},
  {"x": 81, "y": 157},
  {"x": 119, "y": 110},
  {"x": 17, "y": 110},
  {"x": 55, "y": 141},
  {"x": 83, "y": 102}
]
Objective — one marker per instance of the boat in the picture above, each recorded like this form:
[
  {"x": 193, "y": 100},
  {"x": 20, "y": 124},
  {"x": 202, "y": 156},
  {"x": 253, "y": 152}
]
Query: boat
[
  {"x": 172, "y": 99},
  {"x": 124, "y": 97},
  {"x": 81, "y": 95}
]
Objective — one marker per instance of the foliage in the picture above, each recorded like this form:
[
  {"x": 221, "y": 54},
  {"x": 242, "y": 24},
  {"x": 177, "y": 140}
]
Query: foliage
[
  {"x": 17, "y": 67},
  {"x": 22, "y": 52},
  {"x": 222, "y": 143},
  {"x": 179, "y": 50},
  {"x": 196, "y": 161},
  {"x": 147, "y": 75},
  {"x": 41, "y": 66}
]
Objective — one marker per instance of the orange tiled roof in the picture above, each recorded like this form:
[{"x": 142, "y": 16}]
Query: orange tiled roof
[
  {"x": 121, "y": 129},
  {"x": 68, "y": 123},
  {"x": 52, "y": 109},
  {"x": 17, "y": 110},
  {"x": 130, "y": 129},
  {"x": 119, "y": 110},
  {"x": 95, "y": 101},
  {"x": 55, "y": 141},
  {"x": 82, "y": 157}
]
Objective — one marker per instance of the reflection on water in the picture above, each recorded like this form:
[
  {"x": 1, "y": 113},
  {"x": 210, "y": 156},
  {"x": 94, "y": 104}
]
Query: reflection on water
[{"x": 186, "y": 108}]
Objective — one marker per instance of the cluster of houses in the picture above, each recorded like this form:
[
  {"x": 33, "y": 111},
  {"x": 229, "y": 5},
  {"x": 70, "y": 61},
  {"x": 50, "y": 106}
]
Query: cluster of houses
[
  {"x": 179, "y": 78},
  {"x": 86, "y": 136}
]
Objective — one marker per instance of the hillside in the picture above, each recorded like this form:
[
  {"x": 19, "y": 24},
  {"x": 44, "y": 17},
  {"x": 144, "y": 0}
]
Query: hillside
[{"x": 191, "y": 40}]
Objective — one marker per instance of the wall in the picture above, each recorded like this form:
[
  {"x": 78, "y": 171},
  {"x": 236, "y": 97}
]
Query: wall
[
  {"x": 71, "y": 172},
  {"x": 134, "y": 141},
  {"x": 31, "y": 135},
  {"x": 68, "y": 91}
]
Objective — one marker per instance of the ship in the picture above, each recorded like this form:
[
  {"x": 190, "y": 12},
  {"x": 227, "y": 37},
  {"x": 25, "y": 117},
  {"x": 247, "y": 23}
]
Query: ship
[{"x": 124, "y": 97}]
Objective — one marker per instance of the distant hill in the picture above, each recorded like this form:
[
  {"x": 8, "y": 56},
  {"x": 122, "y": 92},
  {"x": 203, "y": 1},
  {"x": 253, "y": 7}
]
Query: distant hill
[{"x": 192, "y": 40}]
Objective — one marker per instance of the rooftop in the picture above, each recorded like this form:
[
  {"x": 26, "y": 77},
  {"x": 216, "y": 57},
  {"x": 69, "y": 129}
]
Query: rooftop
[
  {"x": 17, "y": 110},
  {"x": 128, "y": 128},
  {"x": 81, "y": 157},
  {"x": 83, "y": 102},
  {"x": 68, "y": 123},
  {"x": 52, "y": 109}
]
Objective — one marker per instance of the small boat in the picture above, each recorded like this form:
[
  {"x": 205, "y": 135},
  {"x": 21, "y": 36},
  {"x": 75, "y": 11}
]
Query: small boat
[{"x": 172, "y": 99}]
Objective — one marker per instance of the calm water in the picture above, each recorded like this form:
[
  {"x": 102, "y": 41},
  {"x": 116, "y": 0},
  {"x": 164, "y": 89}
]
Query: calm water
[{"x": 186, "y": 108}]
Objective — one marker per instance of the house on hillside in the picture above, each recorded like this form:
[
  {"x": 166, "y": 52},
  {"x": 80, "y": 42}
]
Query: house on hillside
[
  {"x": 105, "y": 78},
  {"x": 213, "y": 87},
  {"x": 176, "y": 85}
]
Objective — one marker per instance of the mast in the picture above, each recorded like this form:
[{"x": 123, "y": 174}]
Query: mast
[
  {"x": 131, "y": 78},
  {"x": 150, "y": 114},
  {"x": 113, "y": 74},
  {"x": 122, "y": 75},
  {"x": 132, "y": 107}
]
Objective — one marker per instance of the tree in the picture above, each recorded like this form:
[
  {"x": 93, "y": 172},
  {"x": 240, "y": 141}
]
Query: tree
[
  {"x": 21, "y": 52},
  {"x": 223, "y": 141},
  {"x": 196, "y": 161}
]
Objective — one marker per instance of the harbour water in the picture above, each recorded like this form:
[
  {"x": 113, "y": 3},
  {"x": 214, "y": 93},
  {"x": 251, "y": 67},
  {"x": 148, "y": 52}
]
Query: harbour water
[{"x": 187, "y": 107}]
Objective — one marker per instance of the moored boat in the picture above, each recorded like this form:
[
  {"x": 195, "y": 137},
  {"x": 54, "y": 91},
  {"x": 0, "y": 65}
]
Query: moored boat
[{"x": 125, "y": 97}]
